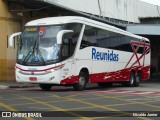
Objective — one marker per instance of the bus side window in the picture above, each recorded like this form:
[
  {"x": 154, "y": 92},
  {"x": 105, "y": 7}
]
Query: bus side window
[
  {"x": 66, "y": 46},
  {"x": 76, "y": 27},
  {"x": 89, "y": 37},
  {"x": 84, "y": 42}
]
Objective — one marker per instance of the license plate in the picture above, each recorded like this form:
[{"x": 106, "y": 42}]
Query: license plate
[{"x": 32, "y": 78}]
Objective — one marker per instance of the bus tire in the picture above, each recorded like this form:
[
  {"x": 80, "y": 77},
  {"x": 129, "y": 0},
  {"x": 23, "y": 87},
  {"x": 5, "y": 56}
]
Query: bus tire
[
  {"x": 137, "y": 80},
  {"x": 104, "y": 84},
  {"x": 131, "y": 80},
  {"x": 82, "y": 81},
  {"x": 45, "y": 87}
]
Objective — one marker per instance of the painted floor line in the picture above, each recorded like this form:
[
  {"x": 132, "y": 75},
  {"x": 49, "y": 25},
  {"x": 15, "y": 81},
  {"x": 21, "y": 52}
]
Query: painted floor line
[
  {"x": 92, "y": 91},
  {"x": 129, "y": 92},
  {"x": 41, "y": 108}
]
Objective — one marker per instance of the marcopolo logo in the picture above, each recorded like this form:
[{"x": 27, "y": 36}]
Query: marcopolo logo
[{"x": 109, "y": 55}]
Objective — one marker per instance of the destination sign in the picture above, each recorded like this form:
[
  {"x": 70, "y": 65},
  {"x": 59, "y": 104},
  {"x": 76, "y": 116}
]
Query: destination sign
[{"x": 31, "y": 29}]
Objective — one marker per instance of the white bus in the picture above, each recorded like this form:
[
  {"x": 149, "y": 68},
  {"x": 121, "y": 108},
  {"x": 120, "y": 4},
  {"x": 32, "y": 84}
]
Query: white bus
[{"x": 75, "y": 51}]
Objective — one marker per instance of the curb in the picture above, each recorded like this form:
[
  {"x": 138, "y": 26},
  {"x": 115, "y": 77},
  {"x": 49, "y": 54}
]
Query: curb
[
  {"x": 19, "y": 86},
  {"x": 16, "y": 85},
  {"x": 3, "y": 86}
]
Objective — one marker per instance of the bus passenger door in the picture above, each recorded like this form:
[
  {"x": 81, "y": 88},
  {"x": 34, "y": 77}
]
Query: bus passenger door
[
  {"x": 67, "y": 56},
  {"x": 69, "y": 43}
]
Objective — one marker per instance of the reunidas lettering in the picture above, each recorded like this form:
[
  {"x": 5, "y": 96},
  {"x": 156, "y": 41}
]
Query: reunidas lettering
[{"x": 107, "y": 56}]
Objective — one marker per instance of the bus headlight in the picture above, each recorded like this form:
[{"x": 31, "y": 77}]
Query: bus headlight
[
  {"x": 55, "y": 68},
  {"x": 50, "y": 71}
]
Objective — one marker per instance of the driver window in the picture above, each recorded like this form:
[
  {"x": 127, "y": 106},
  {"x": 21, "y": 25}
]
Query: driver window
[
  {"x": 69, "y": 40},
  {"x": 66, "y": 45}
]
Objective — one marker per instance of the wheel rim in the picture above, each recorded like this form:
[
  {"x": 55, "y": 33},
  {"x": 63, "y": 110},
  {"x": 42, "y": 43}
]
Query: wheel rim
[
  {"x": 137, "y": 79},
  {"x": 132, "y": 80},
  {"x": 81, "y": 81}
]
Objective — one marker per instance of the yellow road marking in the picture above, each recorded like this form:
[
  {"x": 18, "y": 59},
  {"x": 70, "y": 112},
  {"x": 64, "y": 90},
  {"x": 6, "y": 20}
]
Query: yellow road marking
[
  {"x": 111, "y": 105},
  {"x": 74, "y": 95},
  {"x": 142, "y": 103},
  {"x": 102, "y": 96},
  {"x": 79, "y": 108},
  {"x": 7, "y": 107},
  {"x": 51, "y": 101},
  {"x": 92, "y": 98},
  {"x": 150, "y": 101},
  {"x": 152, "y": 97},
  {"x": 12, "y": 109},
  {"x": 22, "y": 104},
  {"x": 98, "y": 106},
  {"x": 58, "y": 109},
  {"x": 118, "y": 104},
  {"x": 21, "y": 98}
]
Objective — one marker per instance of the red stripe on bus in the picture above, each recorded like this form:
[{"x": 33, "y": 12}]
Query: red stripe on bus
[{"x": 40, "y": 70}]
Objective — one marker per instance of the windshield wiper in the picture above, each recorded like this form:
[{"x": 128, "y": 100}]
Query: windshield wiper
[
  {"x": 30, "y": 53},
  {"x": 51, "y": 61},
  {"x": 41, "y": 57}
]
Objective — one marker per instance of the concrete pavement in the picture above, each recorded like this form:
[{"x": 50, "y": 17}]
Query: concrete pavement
[{"x": 14, "y": 84}]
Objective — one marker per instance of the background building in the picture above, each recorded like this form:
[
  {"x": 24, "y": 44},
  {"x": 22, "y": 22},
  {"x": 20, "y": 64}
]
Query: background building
[{"x": 125, "y": 14}]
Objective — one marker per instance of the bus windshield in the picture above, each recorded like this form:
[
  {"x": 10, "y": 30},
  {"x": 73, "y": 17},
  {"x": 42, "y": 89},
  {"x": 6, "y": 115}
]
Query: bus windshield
[{"x": 38, "y": 45}]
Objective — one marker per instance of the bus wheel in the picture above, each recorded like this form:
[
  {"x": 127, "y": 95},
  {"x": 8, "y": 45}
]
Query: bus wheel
[
  {"x": 45, "y": 87},
  {"x": 131, "y": 80},
  {"x": 104, "y": 84},
  {"x": 82, "y": 81},
  {"x": 137, "y": 80}
]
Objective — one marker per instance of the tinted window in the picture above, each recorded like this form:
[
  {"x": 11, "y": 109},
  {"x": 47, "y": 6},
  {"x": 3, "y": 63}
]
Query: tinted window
[
  {"x": 89, "y": 37},
  {"x": 113, "y": 40},
  {"x": 69, "y": 41},
  {"x": 107, "y": 39}
]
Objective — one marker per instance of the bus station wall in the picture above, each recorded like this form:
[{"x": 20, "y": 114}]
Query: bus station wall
[
  {"x": 3, "y": 34},
  {"x": 8, "y": 24},
  {"x": 11, "y": 22},
  {"x": 126, "y": 10}
]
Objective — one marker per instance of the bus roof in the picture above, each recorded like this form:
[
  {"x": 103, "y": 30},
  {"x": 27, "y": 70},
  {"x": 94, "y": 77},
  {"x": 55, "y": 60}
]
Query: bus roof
[{"x": 76, "y": 19}]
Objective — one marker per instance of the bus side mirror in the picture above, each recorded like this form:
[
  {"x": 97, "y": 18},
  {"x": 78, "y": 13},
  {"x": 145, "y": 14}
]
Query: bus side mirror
[
  {"x": 60, "y": 35},
  {"x": 11, "y": 38}
]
